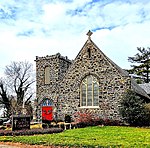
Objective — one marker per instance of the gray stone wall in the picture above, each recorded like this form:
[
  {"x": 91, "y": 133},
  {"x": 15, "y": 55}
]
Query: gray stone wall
[{"x": 112, "y": 84}]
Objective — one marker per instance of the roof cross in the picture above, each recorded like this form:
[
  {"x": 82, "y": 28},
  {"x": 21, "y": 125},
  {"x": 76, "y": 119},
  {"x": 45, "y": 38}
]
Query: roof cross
[{"x": 89, "y": 34}]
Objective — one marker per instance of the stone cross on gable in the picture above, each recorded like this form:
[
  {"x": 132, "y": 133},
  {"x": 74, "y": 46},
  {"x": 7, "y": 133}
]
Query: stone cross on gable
[{"x": 89, "y": 34}]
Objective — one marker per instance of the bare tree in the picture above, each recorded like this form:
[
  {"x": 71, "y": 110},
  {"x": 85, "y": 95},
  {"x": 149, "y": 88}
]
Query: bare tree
[
  {"x": 4, "y": 98},
  {"x": 20, "y": 81}
]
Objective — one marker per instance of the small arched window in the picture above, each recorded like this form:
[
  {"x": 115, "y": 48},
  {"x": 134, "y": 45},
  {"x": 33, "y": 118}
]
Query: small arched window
[
  {"x": 47, "y": 75},
  {"x": 89, "y": 92},
  {"x": 89, "y": 52},
  {"x": 46, "y": 102}
]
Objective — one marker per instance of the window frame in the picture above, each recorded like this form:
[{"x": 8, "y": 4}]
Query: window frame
[
  {"x": 47, "y": 75},
  {"x": 47, "y": 102},
  {"x": 85, "y": 82}
]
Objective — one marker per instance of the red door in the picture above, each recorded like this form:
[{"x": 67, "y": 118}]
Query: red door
[{"x": 47, "y": 113}]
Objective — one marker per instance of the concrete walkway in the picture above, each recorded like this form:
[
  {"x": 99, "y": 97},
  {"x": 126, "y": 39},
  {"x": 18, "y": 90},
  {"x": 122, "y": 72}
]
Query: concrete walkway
[{"x": 7, "y": 146}]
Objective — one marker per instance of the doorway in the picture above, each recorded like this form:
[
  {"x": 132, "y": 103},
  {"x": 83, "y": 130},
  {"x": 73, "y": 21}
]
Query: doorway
[{"x": 47, "y": 110}]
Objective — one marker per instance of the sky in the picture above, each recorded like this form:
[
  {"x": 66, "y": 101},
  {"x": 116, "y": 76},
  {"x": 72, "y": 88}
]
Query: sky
[{"x": 30, "y": 28}]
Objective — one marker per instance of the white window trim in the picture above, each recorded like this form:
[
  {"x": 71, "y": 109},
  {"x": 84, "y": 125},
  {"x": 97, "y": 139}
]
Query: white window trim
[{"x": 89, "y": 107}]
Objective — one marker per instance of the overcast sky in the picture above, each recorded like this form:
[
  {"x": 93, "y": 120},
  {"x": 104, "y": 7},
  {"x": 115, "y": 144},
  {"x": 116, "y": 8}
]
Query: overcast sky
[{"x": 30, "y": 28}]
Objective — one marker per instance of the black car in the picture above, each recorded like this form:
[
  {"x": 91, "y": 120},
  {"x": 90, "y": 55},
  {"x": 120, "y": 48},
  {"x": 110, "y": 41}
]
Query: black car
[
  {"x": 2, "y": 120},
  {"x": 7, "y": 122}
]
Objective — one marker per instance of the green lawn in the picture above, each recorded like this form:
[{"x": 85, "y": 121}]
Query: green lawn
[{"x": 107, "y": 136}]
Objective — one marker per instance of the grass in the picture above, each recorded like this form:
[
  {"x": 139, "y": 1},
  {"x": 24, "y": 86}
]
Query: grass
[{"x": 107, "y": 136}]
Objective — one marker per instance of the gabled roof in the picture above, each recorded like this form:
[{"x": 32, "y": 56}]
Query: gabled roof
[{"x": 121, "y": 71}]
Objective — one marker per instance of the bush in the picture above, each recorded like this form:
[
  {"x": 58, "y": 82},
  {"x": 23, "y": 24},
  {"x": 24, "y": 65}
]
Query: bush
[
  {"x": 45, "y": 125},
  {"x": 88, "y": 118},
  {"x": 111, "y": 122},
  {"x": 30, "y": 132},
  {"x": 67, "y": 118},
  {"x": 133, "y": 110},
  {"x": 147, "y": 106}
]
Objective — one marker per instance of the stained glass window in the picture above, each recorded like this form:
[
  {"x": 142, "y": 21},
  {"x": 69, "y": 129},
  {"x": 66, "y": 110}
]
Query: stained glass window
[
  {"x": 47, "y": 102},
  {"x": 89, "y": 91}
]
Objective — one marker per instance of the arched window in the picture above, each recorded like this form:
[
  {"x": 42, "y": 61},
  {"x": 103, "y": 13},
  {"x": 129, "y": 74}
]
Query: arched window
[
  {"x": 46, "y": 102},
  {"x": 47, "y": 75},
  {"x": 89, "y": 52},
  {"x": 89, "y": 92}
]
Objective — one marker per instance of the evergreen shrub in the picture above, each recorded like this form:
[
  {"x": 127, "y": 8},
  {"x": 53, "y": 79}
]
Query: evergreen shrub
[{"x": 133, "y": 110}]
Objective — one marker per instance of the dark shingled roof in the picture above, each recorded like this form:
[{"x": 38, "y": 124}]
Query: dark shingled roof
[
  {"x": 138, "y": 89},
  {"x": 146, "y": 87}
]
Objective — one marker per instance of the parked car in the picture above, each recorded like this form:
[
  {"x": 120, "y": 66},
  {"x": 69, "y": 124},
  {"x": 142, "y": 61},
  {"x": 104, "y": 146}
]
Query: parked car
[
  {"x": 3, "y": 120},
  {"x": 7, "y": 122}
]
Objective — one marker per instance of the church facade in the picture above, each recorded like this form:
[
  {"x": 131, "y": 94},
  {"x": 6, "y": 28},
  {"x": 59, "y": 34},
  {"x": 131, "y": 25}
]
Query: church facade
[{"x": 90, "y": 82}]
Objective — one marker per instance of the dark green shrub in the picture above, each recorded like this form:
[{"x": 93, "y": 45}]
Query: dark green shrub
[
  {"x": 133, "y": 110},
  {"x": 67, "y": 118},
  {"x": 45, "y": 125},
  {"x": 111, "y": 122}
]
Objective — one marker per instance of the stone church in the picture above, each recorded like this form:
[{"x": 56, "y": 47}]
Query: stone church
[{"x": 90, "y": 82}]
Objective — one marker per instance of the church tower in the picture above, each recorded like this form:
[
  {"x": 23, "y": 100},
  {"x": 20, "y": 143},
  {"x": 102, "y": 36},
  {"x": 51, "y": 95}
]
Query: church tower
[{"x": 50, "y": 71}]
